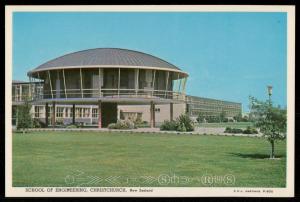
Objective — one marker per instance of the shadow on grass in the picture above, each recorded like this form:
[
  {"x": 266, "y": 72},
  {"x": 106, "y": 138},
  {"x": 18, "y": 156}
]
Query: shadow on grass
[{"x": 256, "y": 156}]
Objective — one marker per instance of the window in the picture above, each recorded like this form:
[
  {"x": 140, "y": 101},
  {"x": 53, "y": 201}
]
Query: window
[
  {"x": 49, "y": 112},
  {"x": 95, "y": 113},
  {"x": 67, "y": 112},
  {"x": 37, "y": 111},
  {"x": 157, "y": 109},
  {"x": 59, "y": 111},
  {"x": 71, "y": 112},
  {"x": 78, "y": 112},
  {"x": 86, "y": 112}
]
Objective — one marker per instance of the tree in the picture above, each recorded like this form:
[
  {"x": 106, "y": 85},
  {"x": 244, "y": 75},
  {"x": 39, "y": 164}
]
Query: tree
[
  {"x": 238, "y": 117},
  {"x": 24, "y": 116},
  {"x": 270, "y": 120},
  {"x": 201, "y": 117},
  {"x": 222, "y": 116}
]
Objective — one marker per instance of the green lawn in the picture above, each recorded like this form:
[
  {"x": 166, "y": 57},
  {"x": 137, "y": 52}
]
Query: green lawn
[
  {"x": 121, "y": 159},
  {"x": 228, "y": 124}
]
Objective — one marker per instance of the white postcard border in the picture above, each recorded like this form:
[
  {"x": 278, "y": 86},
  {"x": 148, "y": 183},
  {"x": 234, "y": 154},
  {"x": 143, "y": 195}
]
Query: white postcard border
[{"x": 157, "y": 191}]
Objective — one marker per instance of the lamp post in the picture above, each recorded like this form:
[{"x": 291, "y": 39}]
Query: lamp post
[
  {"x": 269, "y": 113},
  {"x": 270, "y": 88}
]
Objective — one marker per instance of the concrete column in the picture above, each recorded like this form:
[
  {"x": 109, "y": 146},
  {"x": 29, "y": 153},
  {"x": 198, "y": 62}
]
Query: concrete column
[
  {"x": 73, "y": 115},
  {"x": 46, "y": 114},
  {"x": 152, "y": 114},
  {"x": 171, "y": 111},
  {"x": 99, "y": 115},
  {"x": 53, "y": 114},
  {"x": 90, "y": 115}
]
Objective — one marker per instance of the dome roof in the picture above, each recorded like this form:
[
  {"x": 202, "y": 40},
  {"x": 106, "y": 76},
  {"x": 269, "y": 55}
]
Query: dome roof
[{"x": 106, "y": 57}]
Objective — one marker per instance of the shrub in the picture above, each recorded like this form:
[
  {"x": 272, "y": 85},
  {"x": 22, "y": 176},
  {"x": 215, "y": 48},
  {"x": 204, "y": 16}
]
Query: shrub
[
  {"x": 138, "y": 120},
  {"x": 185, "y": 123},
  {"x": 142, "y": 125},
  {"x": 181, "y": 127},
  {"x": 250, "y": 130},
  {"x": 72, "y": 126},
  {"x": 201, "y": 118},
  {"x": 111, "y": 126},
  {"x": 233, "y": 130},
  {"x": 24, "y": 116},
  {"x": 237, "y": 130},
  {"x": 227, "y": 130},
  {"x": 59, "y": 122},
  {"x": 169, "y": 125},
  {"x": 36, "y": 123},
  {"x": 122, "y": 124}
]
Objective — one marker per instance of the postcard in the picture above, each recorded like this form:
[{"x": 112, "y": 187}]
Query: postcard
[{"x": 152, "y": 101}]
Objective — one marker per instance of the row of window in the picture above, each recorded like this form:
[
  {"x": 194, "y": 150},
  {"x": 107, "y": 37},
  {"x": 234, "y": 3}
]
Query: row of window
[
  {"x": 204, "y": 101},
  {"x": 228, "y": 113},
  {"x": 66, "y": 112}
]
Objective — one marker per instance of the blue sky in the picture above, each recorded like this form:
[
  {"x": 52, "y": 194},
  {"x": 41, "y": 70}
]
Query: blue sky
[{"x": 228, "y": 56}]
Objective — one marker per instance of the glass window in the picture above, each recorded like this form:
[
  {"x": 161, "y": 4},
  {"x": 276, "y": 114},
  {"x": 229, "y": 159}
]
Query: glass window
[
  {"x": 111, "y": 77},
  {"x": 37, "y": 111},
  {"x": 73, "y": 83},
  {"x": 78, "y": 112},
  {"x": 86, "y": 112},
  {"x": 66, "y": 112},
  {"x": 90, "y": 82},
  {"x": 59, "y": 111},
  {"x": 94, "y": 113},
  {"x": 71, "y": 112}
]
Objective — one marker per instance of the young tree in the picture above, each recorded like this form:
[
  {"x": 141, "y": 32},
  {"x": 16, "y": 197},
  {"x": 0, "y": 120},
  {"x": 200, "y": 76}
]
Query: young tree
[
  {"x": 24, "y": 116},
  {"x": 238, "y": 117},
  {"x": 270, "y": 120},
  {"x": 200, "y": 117},
  {"x": 222, "y": 116}
]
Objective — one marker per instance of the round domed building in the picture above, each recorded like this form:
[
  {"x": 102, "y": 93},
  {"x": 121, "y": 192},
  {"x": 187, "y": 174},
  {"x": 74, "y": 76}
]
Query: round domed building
[{"x": 108, "y": 77}]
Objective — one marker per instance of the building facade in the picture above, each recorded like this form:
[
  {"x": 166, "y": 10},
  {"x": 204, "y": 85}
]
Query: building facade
[
  {"x": 212, "y": 107},
  {"x": 99, "y": 86}
]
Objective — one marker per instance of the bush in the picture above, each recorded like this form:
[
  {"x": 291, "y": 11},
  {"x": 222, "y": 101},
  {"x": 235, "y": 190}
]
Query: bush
[
  {"x": 24, "y": 116},
  {"x": 185, "y": 123},
  {"x": 59, "y": 122},
  {"x": 227, "y": 130},
  {"x": 250, "y": 130},
  {"x": 36, "y": 123},
  {"x": 138, "y": 120},
  {"x": 72, "y": 126},
  {"x": 111, "y": 126},
  {"x": 169, "y": 125},
  {"x": 233, "y": 130},
  {"x": 201, "y": 118},
  {"x": 142, "y": 125},
  {"x": 122, "y": 124}
]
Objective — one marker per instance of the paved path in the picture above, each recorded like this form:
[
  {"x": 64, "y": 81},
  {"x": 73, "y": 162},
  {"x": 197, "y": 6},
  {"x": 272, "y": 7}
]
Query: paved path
[{"x": 198, "y": 131}]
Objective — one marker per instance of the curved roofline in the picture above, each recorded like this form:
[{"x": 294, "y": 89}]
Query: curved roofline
[
  {"x": 109, "y": 66},
  {"x": 123, "y": 49}
]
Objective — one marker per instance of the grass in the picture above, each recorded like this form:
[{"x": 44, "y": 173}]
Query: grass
[
  {"x": 124, "y": 159},
  {"x": 227, "y": 124}
]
